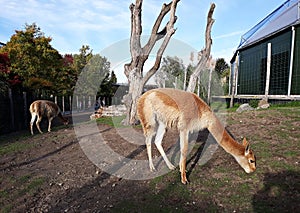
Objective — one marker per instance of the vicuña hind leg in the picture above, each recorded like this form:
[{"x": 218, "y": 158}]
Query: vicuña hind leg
[
  {"x": 33, "y": 117},
  {"x": 158, "y": 141},
  {"x": 183, "y": 156}
]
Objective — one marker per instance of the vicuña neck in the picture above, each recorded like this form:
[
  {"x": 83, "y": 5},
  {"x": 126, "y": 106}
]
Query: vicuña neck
[
  {"x": 224, "y": 138},
  {"x": 61, "y": 117}
]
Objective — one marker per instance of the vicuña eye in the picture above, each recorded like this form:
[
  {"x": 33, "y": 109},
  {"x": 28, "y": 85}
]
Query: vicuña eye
[{"x": 252, "y": 161}]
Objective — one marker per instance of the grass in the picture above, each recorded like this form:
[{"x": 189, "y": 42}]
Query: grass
[
  {"x": 230, "y": 189},
  {"x": 218, "y": 186},
  {"x": 14, "y": 147},
  {"x": 112, "y": 121},
  {"x": 26, "y": 184}
]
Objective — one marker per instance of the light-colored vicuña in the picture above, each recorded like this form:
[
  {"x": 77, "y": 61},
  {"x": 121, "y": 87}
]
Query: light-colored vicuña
[
  {"x": 159, "y": 109},
  {"x": 43, "y": 108}
]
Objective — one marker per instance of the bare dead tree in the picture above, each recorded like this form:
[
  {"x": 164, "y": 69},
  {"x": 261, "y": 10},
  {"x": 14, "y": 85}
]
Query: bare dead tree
[
  {"x": 204, "y": 54},
  {"x": 139, "y": 55}
]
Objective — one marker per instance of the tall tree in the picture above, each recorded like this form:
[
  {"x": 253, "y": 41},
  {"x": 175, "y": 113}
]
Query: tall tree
[
  {"x": 66, "y": 76},
  {"x": 81, "y": 60},
  {"x": 32, "y": 58},
  {"x": 134, "y": 70},
  {"x": 107, "y": 89},
  {"x": 221, "y": 66},
  {"x": 93, "y": 70},
  {"x": 171, "y": 73},
  {"x": 4, "y": 72},
  {"x": 204, "y": 55}
]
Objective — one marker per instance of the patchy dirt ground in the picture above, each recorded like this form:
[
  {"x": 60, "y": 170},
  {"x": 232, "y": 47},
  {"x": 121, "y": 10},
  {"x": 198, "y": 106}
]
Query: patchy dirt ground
[{"x": 51, "y": 173}]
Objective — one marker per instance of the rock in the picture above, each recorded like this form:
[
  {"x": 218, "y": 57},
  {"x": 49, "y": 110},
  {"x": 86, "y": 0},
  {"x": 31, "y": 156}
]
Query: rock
[
  {"x": 244, "y": 107},
  {"x": 114, "y": 110},
  {"x": 263, "y": 104}
]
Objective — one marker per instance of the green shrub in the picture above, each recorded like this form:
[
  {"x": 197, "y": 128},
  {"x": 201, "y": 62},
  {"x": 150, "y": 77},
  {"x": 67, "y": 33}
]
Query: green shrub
[{"x": 253, "y": 103}]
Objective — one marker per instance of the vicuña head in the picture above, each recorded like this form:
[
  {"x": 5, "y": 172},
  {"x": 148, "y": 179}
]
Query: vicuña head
[
  {"x": 247, "y": 158},
  {"x": 43, "y": 108},
  {"x": 159, "y": 109}
]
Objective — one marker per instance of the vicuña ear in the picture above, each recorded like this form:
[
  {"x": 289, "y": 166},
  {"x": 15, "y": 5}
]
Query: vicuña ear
[
  {"x": 247, "y": 149},
  {"x": 245, "y": 142},
  {"x": 247, "y": 146}
]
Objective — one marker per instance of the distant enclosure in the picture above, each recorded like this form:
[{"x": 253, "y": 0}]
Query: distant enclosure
[
  {"x": 14, "y": 109},
  {"x": 267, "y": 61},
  {"x": 14, "y": 105}
]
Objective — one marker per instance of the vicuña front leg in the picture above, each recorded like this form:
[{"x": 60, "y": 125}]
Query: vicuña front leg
[
  {"x": 148, "y": 144},
  {"x": 158, "y": 140},
  {"x": 33, "y": 117},
  {"x": 183, "y": 155}
]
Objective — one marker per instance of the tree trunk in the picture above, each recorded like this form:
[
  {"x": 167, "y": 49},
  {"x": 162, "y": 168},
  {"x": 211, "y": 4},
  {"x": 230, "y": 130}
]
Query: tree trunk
[
  {"x": 203, "y": 55},
  {"x": 130, "y": 100},
  {"x": 139, "y": 55}
]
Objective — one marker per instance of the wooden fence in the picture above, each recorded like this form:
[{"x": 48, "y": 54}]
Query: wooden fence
[{"x": 14, "y": 108}]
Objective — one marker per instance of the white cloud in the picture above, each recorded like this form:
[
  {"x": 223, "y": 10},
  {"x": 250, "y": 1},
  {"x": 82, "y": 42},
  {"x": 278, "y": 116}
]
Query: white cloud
[
  {"x": 224, "y": 53},
  {"x": 236, "y": 33},
  {"x": 108, "y": 15}
]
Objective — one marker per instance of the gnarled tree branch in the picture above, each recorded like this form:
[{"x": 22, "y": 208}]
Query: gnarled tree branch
[
  {"x": 204, "y": 54},
  {"x": 169, "y": 32},
  {"x": 139, "y": 55},
  {"x": 155, "y": 35}
]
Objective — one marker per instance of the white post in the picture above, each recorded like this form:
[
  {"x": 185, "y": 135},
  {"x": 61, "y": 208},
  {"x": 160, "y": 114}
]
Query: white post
[
  {"x": 291, "y": 61},
  {"x": 70, "y": 104},
  {"x": 11, "y": 104},
  {"x": 209, "y": 86},
  {"x": 237, "y": 65},
  {"x": 83, "y": 108},
  {"x": 234, "y": 80},
  {"x": 77, "y": 103},
  {"x": 55, "y": 99},
  {"x": 269, "y": 55},
  {"x": 25, "y": 107},
  {"x": 63, "y": 104},
  {"x": 198, "y": 89},
  {"x": 184, "y": 82}
]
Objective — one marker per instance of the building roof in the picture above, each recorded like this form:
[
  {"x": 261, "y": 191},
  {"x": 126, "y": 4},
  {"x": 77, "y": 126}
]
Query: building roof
[
  {"x": 288, "y": 14},
  {"x": 285, "y": 16}
]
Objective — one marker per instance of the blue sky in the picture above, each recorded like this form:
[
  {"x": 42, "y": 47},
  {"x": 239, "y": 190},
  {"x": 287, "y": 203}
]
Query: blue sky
[{"x": 101, "y": 23}]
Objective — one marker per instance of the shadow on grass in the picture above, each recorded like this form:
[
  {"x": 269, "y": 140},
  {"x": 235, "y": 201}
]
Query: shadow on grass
[{"x": 281, "y": 193}]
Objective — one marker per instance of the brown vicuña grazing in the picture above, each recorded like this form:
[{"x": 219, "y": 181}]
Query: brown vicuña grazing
[
  {"x": 43, "y": 108},
  {"x": 159, "y": 109}
]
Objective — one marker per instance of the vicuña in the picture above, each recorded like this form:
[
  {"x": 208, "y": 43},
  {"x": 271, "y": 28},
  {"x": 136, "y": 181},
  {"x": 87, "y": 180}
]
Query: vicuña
[
  {"x": 159, "y": 109},
  {"x": 43, "y": 108}
]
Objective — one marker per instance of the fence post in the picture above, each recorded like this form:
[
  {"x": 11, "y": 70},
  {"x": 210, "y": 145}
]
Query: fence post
[
  {"x": 269, "y": 55},
  {"x": 70, "y": 104},
  {"x": 25, "y": 108},
  {"x": 234, "y": 80},
  {"x": 12, "y": 113},
  {"x": 209, "y": 86},
  {"x": 83, "y": 103},
  {"x": 77, "y": 103},
  {"x": 291, "y": 61},
  {"x": 63, "y": 104}
]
